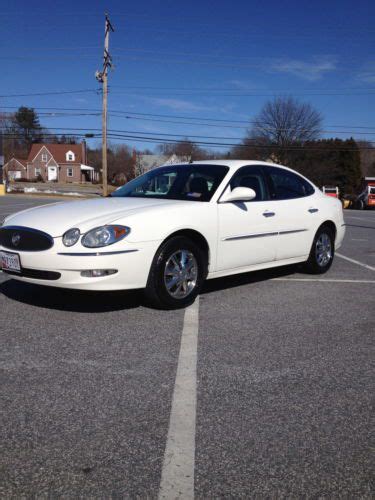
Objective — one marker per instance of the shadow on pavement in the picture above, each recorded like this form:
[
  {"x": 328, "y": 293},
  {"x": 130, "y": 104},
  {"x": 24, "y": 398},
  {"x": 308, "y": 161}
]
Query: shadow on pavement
[
  {"x": 217, "y": 284},
  {"x": 70, "y": 300},
  {"x": 97, "y": 302}
]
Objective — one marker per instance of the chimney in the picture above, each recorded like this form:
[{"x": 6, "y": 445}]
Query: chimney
[{"x": 84, "y": 152}]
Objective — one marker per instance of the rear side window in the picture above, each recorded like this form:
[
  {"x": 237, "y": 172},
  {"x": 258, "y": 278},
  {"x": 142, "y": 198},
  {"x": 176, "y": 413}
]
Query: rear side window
[
  {"x": 285, "y": 185},
  {"x": 251, "y": 177}
]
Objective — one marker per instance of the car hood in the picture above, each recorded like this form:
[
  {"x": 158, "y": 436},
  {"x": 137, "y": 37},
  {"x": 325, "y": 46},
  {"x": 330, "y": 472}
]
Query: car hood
[{"x": 57, "y": 218}]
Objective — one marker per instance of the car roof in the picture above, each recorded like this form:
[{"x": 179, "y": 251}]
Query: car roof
[{"x": 233, "y": 164}]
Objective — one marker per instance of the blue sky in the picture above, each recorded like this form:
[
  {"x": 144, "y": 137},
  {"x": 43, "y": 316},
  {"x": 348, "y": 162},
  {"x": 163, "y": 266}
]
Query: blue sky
[{"x": 219, "y": 60}]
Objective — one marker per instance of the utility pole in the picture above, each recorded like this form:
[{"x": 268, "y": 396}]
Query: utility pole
[{"x": 102, "y": 77}]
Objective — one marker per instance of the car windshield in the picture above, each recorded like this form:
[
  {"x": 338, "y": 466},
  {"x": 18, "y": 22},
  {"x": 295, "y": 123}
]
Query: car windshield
[{"x": 176, "y": 182}]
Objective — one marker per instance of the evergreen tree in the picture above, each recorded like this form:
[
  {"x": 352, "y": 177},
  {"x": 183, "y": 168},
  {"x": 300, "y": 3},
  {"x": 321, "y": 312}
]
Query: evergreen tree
[{"x": 26, "y": 125}]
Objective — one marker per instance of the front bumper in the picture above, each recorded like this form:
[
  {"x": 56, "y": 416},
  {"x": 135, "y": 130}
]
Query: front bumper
[{"x": 132, "y": 263}]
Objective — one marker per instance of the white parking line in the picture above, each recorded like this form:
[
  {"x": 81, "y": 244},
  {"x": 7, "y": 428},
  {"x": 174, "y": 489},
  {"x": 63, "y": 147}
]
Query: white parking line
[
  {"x": 322, "y": 280},
  {"x": 358, "y": 239},
  {"x": 355, "y": 261},
  {"x": 177, "y": 479}
]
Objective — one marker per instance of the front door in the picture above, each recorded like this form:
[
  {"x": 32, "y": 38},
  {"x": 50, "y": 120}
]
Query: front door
[
  {"x": 52, "y": 173},
  {"x": 247, "y": 230}
]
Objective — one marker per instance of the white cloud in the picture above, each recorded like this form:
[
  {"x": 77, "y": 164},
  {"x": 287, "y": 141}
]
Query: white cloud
[
  {"x": 178, "y": 104},
  {"x": 310, "y": 71},
  {"x": 367, "y": 74}
]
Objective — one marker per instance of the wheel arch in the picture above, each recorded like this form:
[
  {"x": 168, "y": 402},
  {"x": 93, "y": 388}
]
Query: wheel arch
[
  {"x": 331, "y": 225},
  {"x": 196, "y": 237}
]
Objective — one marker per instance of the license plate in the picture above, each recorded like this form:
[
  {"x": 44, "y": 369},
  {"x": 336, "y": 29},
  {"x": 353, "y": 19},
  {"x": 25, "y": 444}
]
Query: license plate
[{"x": 10, "y": 262}]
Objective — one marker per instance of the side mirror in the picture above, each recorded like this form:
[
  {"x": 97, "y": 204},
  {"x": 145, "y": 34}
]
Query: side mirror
[{"x": 238, "y": 194}]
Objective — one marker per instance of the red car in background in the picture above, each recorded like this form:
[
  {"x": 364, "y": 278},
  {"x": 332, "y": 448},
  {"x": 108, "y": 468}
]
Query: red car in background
[
  {"x": 331, "y": 191},
  {"x": 366, "y": 199}
]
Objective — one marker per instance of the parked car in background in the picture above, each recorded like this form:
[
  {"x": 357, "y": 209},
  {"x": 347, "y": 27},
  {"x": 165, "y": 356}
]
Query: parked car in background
[
  {"x": 366, "y": 198},
  {"x": 171, "y": 228},
  {"x": 331, "y": 191}
]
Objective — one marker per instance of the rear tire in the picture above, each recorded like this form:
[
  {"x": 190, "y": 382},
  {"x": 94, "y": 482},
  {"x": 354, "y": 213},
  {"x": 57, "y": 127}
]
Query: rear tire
[
  {"x": 177, "y": 274},
  {"x": 322, "y": 252}
]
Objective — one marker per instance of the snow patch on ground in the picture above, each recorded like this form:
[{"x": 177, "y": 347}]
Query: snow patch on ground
[{"x": 42, "y": 191}]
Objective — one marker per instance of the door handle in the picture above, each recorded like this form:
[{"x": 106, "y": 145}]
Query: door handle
[
  {"x": 268, "y": 214},
  {"x": 313, "y": 210}
]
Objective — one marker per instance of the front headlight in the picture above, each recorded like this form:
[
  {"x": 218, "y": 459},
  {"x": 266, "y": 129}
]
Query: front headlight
[
  {"x": 71, "y": 237},
  {"x": 104, "y": 236}
]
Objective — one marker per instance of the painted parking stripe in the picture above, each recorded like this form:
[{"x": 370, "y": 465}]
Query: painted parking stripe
[
  {"x": 327, "y": 280},
  {"x": 366, "y": 266},
  {"x": 177, "y": 479}
]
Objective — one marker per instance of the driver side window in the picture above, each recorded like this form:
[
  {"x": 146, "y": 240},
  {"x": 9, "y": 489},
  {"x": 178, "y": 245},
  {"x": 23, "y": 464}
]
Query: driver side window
[{"x": 251, "y": 177}]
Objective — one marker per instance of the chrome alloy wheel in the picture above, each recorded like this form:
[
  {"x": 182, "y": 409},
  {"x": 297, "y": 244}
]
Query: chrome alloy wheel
[
  {"x": 181, "y": 274},
  {"x": 323, "y": 250}
]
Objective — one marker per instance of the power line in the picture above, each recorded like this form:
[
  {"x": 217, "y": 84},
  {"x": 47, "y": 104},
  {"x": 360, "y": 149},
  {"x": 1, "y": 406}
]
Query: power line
[
  {"x": 330, "y": 32},
  {"x": 195, "y": 136},
  {"x": 163, "y": 137},
  {"x": 213, "y": 55},
  {"x": 184, "y": 19},
  {"x": 58, "y": 92},
  {"x": 159, "y": 140},
  {"x": 207, "y": 91},
  {"x": 225, "y": 89},
  {"x": 138, "y": 115},
  {"x": 237, "y": 94},
  {"x": 212, "y": 144},
  {"x": 59, "y": 115}
]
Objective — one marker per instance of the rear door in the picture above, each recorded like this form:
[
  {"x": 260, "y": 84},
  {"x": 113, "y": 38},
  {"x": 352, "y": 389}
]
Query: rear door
[
  {"x": 247, "y": 233},
  {"x": 297, "y": 212}
]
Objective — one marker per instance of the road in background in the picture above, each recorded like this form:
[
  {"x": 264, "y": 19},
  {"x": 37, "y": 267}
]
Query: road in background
[
  {"x": 284, "y": 383},
  {"x": 16, "y": 203}
]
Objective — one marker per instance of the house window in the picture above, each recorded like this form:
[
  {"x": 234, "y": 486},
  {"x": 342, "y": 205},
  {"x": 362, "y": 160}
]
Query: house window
[
  {"x": 38, "y": 172},
  {"x": 70, "y": 172},
  {"x": 44, "y": 156},
  {"x": 70, "y": 156}
]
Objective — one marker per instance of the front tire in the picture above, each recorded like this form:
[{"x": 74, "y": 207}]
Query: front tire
[
  {"x": 322, "y": 251},
  {"x": 177, "y": 274}
]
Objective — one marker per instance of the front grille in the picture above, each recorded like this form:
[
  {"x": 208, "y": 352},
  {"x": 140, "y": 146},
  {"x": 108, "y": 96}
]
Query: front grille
[
  {"x": 24, "y": 239},
  {"x": 36, "y": 274}
]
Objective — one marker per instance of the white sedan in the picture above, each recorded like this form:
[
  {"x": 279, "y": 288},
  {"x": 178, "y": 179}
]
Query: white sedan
[{"x": 173, "y": 227}]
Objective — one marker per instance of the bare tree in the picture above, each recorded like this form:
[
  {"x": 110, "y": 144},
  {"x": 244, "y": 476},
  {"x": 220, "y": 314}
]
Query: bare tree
[{"x": 284, "y": 122}]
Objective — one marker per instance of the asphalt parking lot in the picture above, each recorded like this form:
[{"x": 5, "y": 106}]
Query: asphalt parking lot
[{"x": 99, "y": 393}]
